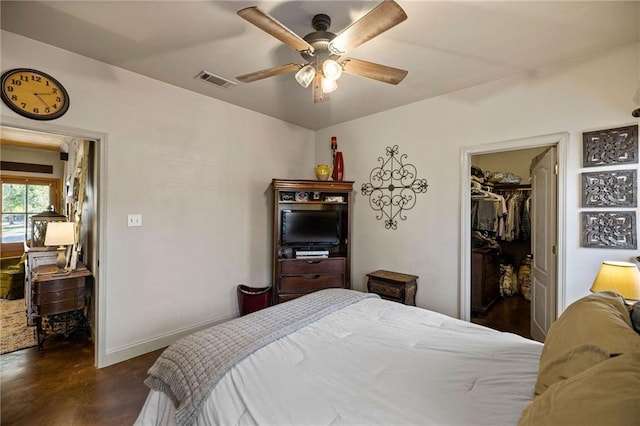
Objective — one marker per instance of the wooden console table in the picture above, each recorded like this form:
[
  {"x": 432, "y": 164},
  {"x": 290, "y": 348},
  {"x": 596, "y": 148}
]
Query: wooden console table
[
  {"x": 393, "y": 286},
  {"x": 59, "y": 298}
]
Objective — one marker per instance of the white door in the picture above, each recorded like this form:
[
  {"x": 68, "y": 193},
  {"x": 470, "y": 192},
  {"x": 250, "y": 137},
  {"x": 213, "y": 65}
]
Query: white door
[{"x": 544, "y": 221}]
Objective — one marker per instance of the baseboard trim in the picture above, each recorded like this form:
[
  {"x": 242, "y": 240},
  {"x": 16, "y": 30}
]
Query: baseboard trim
[{"x": 124, "y": 353}]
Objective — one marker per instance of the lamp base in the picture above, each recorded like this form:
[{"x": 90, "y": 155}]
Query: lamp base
[{"x": 61, "y": 262}]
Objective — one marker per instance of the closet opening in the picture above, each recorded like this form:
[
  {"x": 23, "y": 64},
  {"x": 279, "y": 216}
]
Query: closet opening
[
  {"x": 501, "y": 251},
  {"x": 512, "y": 227}
]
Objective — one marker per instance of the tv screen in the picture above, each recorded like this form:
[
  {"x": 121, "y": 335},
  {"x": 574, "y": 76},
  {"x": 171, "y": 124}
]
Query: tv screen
[{"x": 310, "y": 227}]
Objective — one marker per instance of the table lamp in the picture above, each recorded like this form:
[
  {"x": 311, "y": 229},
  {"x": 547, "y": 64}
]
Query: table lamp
[
  {"x": 60, "y": 234},
  {"x": 621, "y": 277}
]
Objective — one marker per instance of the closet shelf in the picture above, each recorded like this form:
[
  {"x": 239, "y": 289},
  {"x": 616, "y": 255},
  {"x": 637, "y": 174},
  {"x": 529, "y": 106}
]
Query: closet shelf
[{"x": 510, "y": 186}]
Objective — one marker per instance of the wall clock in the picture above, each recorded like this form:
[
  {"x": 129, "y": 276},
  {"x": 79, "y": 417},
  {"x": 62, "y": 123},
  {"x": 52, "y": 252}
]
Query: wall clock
[{"x": 34, "y": 94}]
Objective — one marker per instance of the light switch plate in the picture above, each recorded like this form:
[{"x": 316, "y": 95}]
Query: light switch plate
[{"x": 134, "y": 220}]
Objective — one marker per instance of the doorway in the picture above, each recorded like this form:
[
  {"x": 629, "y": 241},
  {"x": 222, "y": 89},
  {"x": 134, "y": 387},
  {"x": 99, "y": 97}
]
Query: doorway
[
  {"x": 92, "y": 235},
  {"x": 501, "y": 309},
  {"x": 502, "y": 249}
]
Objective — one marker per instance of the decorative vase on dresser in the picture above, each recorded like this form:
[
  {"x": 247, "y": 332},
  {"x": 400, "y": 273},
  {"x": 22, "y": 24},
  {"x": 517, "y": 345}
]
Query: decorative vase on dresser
[{"x": 338, "y": 167}]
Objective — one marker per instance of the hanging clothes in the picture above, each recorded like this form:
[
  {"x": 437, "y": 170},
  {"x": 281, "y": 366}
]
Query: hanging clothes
[{"x": 517, "y": 224}]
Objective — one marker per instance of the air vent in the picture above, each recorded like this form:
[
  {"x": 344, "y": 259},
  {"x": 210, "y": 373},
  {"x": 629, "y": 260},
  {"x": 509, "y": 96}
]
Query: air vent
[{"x": 214, "y": 79}]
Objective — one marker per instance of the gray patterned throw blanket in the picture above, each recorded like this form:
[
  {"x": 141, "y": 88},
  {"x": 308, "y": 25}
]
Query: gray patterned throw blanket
[{"x": 188, "y": 369}]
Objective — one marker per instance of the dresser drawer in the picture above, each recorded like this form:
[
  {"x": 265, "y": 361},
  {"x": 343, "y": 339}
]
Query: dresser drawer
[
  {"x": 310, "y": 282},
  {"x": 312, "y": 266}
]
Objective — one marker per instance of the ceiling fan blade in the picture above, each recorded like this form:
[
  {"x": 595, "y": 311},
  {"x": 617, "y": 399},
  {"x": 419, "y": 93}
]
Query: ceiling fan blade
[
  {"x": 372, "y": 70},
  {"x": 269, "y": 24},
  {"x": 386, "y": 15},
  {"x": 269, "y": 72},
  {"x": 318, "y": 94}
]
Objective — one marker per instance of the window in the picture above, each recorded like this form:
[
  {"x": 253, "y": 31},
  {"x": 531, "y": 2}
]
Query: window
[{"x": 23, "y": 197}]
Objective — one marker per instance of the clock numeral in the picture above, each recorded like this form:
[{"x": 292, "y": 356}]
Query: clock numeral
[
  {"x": 47, "y": 110},
  {"x": 14, "y": 97},
  {"x": 24, "y": 77},
  {"x": 23, "y": 105},
  {"x": 9, "y": 89},
  {"x": 58, "y": 99},
  {"x": 54, "y": 90},
  {"x": 36, "y": 110},
  {"x": 16, "y": 82},
  {"x": 36, "y": 78},
  {"x": 54, "y": 106}
]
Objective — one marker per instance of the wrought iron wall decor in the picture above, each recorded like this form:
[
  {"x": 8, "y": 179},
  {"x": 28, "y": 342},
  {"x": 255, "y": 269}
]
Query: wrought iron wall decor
[
  {"x": 613, "y": 230},
  {"x": 610, "y": 189},
  {"x": 610, "y": 147},
  {"x": 393, "y": 187}
]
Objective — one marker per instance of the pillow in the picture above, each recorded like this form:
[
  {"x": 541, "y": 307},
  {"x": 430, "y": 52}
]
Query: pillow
[
  {"x": 606, "y": 394},
  {"x": 588, "y": 332}
]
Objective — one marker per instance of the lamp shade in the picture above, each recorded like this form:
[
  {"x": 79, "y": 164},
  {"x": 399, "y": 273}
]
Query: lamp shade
[
  {"x": 621, "y": 277},
  {"x": 305, "y": 76},
  {"x": 60, "y": 234},
  {"x": 328, "y": 86},
  {"x": 331, "y": 69}
]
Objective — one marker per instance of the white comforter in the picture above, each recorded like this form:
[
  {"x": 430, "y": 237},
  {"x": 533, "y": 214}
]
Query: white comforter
[{"x": 374, "y": 363}]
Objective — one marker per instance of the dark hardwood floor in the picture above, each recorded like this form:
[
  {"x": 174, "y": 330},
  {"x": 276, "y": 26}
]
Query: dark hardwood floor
[
  {"x": 512, "y": 314},
  {"x": 60, "y": 386}
]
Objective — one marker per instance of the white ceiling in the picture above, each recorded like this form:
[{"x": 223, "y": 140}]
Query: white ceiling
[{"x": 445, "y": 45}]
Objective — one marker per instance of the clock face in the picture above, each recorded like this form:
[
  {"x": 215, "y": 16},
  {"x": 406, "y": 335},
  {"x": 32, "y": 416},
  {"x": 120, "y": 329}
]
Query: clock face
[{"x": 34, "y": 94}]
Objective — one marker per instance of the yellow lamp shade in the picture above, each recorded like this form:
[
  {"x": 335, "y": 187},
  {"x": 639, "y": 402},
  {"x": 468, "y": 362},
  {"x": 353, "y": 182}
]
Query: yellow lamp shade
[{"x": 621, "y": 277}]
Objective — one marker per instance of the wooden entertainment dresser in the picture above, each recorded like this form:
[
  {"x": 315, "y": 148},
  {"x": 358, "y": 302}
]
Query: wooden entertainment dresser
[{"x": 295, "y": 274}]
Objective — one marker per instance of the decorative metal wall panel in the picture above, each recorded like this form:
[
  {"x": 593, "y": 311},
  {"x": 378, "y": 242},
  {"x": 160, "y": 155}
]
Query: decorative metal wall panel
[
  {"x": 614, "y": 230},
  {"x": 610, "y": 189},
  {"x": 610, "y": 147},
  {"x": 393, "y": 187}
]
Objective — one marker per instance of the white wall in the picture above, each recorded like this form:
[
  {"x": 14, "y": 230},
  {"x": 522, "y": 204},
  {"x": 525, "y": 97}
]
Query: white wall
[
  {"x": 197, "y": 173},
  {"x": 582, "y": 95}
]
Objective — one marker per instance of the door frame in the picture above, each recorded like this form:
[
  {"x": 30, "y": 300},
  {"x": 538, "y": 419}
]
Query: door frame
[
  {"x": 100, "y": 240},
  {"x": 560, "y": 140}
]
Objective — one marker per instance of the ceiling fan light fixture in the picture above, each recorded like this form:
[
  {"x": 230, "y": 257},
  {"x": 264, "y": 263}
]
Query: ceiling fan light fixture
[
  {"x": 329, "y": 85},
  {"x": 331, "y": 69},
  {"x": 305, "y": 76}
]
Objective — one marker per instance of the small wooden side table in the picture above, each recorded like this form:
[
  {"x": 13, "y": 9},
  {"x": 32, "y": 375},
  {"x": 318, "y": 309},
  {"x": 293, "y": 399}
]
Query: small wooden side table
[
  {"x": 60, "y": 298},
  {"x": 393, "y": 286}
]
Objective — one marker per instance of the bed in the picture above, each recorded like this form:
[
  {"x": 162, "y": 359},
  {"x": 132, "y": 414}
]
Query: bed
[{"x": 344, "y": 357}]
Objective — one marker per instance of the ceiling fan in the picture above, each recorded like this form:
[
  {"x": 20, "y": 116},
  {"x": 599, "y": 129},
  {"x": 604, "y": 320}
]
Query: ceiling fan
[{"x": 323, "y": 51}]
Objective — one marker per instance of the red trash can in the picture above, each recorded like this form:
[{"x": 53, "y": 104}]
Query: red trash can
[{"x": 251, "y": 299}]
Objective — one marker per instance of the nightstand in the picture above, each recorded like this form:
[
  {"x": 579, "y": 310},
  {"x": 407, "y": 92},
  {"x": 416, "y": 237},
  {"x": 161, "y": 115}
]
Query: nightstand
[
  {"x": 393, "y": 286},
  {"x": 60, "y": 299}
]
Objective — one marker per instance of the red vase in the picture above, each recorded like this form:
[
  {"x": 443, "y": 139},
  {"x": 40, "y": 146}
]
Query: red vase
[{"x": 338, "y": 167}]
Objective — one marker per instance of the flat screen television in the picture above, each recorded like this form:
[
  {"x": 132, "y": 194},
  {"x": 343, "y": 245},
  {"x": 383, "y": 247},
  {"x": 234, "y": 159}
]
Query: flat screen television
[{"x": 310, "y": 228}]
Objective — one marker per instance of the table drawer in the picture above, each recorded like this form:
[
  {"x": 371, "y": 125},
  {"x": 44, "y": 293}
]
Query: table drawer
[
  {"x": 312, "y": 266},
  {"x": 60, "y": 295},
  {"x": 310, "y": 282},
  {"x": 386, "y": 289},
  {"x": 61, "y": 306},
  {"x": 59, "y": 285},
  {"x": 55, "y": 296}
]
